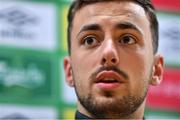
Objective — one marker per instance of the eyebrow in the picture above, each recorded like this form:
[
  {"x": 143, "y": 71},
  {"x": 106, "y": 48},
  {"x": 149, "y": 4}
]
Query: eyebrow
[
  {"x": 127, "y": 25},
  {"x": 121, "y": 25},
  {"x": 90, "y": 27}
]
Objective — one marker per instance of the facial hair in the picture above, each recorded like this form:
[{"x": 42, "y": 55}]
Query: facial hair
[{"x": 116, "y": 107}]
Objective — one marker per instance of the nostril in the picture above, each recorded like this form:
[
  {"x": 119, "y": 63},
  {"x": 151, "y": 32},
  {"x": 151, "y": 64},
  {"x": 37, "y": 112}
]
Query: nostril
[
  {"x": 113, "y": 60},
  {"x": 104, "y": 60}
]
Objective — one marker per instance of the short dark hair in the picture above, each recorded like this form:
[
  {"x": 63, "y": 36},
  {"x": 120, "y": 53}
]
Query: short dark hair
[{"x": 146, "y": 4}]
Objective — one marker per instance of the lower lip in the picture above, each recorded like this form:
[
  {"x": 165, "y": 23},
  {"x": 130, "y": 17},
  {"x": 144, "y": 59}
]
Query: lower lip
[{"x": 108, "y": 86}]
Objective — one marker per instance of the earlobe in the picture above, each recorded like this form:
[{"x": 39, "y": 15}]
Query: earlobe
[
  {"x": 68, "y": 71},
  {"x": 157, "y": 72}
]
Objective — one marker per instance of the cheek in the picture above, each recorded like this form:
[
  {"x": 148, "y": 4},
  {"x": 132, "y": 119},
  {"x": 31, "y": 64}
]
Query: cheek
[
  {"x": 139, "y": 69},
  {"x": 83, "y": 66},
  {"x": 85, "y": 62},
  {"x": 80, "y": 78}
]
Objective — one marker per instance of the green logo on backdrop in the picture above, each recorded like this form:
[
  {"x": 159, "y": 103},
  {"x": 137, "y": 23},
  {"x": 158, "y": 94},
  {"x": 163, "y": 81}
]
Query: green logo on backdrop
[
  {"x": 25, "y": 77},
  {"x": 30, "y": 77}
]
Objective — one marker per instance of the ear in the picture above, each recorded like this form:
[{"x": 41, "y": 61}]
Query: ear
[
  {"x": 157, "y": 72},
  {"x": 68, "y": 71}
]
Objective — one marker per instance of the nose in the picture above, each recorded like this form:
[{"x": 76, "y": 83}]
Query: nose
[{"x": 109, "y": 54}]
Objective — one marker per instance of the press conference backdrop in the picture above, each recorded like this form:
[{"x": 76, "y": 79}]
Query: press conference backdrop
[{"x": 32, "y": 47}]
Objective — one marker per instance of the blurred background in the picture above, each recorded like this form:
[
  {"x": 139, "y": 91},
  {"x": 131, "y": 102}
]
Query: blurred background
[{"x": 32, "y": 47}]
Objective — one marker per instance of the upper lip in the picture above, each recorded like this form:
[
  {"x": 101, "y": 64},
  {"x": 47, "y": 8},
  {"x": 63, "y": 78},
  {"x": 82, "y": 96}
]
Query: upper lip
[{"x": 105, "y": 75}]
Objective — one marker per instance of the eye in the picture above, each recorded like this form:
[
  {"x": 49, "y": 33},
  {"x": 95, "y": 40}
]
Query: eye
[
  {"x": 90, "y": 41},
  {"x": 127, "y": 40}
]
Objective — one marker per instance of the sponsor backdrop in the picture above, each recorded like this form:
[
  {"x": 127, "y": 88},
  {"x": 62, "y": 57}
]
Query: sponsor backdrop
[{"x": 33, "y": 45}]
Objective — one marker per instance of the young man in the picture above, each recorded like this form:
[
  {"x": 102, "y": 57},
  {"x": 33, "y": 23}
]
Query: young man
[{"x": 113, "y": 57}]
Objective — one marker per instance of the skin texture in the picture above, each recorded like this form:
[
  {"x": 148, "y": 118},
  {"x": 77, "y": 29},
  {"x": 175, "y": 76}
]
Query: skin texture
[{"x": 112, "y": 40}]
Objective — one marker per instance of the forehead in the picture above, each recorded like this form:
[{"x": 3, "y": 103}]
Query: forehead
[
  {"x": 111, "y": 10},
  {"x": 115, "y": 7}
]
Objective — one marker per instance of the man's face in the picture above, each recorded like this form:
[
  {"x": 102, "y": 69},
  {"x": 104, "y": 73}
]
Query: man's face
[{"x": 111, "y": 62}]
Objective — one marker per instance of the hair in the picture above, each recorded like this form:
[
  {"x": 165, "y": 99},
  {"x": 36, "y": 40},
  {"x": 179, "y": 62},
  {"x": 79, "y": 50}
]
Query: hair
[{"x": 145, "y": 4}]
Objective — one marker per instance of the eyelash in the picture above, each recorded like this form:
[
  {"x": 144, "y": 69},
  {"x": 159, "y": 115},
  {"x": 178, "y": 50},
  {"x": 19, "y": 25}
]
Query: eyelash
[
  {"x": 92, "y": 37},
  {"x": 129, "y": 36}
]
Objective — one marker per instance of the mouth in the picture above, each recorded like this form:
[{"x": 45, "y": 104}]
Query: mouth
[{"x": 109, "y": 80}]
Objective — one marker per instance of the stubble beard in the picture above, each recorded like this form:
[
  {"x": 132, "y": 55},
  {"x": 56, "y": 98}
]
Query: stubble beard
[
  {"x": 122, "y": 107},
  {"x": 113, "y": 107}
]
